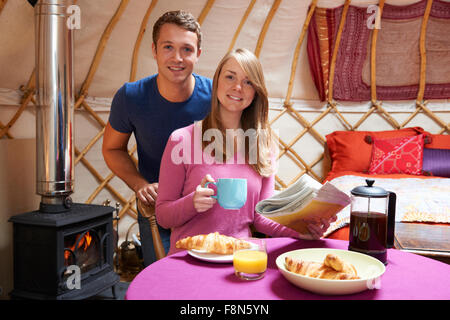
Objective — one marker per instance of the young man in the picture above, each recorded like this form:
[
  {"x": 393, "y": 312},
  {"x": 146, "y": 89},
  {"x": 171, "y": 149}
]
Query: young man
[{"x": 152, "y": 108}]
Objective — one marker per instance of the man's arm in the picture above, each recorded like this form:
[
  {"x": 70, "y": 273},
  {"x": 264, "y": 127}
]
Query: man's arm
[{"x": 115, "y": 153}]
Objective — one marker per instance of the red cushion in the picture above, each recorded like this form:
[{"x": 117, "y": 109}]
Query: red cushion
[
  {"x": 397, "y": 155},
  {"x": 350, "y": 152}
]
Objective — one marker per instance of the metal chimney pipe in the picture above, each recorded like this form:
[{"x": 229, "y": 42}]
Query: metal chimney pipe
[{"x": 55, "y": 104}]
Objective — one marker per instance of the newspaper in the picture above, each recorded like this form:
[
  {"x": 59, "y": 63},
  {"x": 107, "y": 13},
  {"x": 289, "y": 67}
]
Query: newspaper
[{"x": 306, "y": 199}]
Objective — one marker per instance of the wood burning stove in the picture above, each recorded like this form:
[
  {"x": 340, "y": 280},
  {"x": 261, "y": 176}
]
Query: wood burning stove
[
  {"x": 63, "y": 250},
  {"x": 66, "y": 255}
]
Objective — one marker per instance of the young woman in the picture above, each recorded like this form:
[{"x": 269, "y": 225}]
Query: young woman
[{"x": 211, "y": 149}]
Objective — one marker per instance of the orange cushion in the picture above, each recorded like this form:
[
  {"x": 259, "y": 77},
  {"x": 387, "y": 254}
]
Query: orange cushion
[
  {"x": 439, "y": 141},
  {"x": 350, "y": 152}
]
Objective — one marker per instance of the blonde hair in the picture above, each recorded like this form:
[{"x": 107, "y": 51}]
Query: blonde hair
[{"x": 255, "y": 116}]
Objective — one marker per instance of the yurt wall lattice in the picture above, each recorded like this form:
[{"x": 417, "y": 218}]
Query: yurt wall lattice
[{"x": 113, "y": 46}]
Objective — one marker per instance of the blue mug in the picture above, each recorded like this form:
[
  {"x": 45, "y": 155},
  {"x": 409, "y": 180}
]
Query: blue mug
[{"x": 231, "y": 193}]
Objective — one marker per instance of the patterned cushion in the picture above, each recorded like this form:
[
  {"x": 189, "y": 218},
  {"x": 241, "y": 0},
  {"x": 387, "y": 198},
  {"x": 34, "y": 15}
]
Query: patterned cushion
[
  {"x": 437, "y": 162},
  {"x": 397, "y": 155}
]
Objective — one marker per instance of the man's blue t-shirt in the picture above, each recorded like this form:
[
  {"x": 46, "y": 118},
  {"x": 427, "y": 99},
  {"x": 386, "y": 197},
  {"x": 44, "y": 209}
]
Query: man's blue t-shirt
[{"x": 139, "y": 108}]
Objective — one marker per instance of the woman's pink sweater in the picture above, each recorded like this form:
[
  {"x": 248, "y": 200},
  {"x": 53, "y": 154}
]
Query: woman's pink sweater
[{"x": 178, "y": 182}]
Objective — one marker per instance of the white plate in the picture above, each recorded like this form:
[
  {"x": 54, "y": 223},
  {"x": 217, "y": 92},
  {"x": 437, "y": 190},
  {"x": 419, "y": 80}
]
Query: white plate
[
  {"x": 211, "y": 257},
  {"x": 368, "y": 268}
]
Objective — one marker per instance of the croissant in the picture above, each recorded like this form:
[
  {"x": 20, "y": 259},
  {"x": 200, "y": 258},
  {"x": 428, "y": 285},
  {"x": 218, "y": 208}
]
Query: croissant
[
  {"x": 333, "y": 261},
  {"x": 212, "y": 243},
  {"x": 333, "y": 268}
]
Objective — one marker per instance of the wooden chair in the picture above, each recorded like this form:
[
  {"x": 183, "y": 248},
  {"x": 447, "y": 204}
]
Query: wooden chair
[{"x": 149, "y": 213}]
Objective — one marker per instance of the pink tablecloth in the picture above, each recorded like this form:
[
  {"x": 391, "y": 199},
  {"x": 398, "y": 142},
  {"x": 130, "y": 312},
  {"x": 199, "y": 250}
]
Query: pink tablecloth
[{"x": 182, "y": 277}]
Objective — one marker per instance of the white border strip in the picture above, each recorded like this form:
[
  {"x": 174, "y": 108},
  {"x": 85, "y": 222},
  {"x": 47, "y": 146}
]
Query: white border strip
[
  {"x": 359, "y": 107},
  {"x": 11, "y": 97}
]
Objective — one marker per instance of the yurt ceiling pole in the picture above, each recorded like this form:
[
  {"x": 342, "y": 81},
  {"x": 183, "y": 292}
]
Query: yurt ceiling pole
[
  {"x": 99, "y": 52},
  {"x": 2, "y": 4},
  {"x": 265, "y": 27},
  {"x": 423, "y": 53},
  {"x": 297, "y": 51},
  {"x": 241, "y": 24},
  {"x": 137, "y": 45},
  {"x": 420, "y": 103},
  {"x": 336, "y": 49},
  {"x": 205, "y": 11},
  {"x": 373, "y": 58},
  {"x": 376, "y": 105},
  {"x": 331, "y": 103},
  {"x": 373, "y": 85}
]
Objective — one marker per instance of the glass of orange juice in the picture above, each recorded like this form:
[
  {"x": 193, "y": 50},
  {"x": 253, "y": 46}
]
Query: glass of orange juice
[{"x": 250, "y": 258}]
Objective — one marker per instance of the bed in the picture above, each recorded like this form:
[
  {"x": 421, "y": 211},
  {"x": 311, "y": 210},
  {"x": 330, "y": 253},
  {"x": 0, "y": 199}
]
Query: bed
[{"x": 411, "y": 162}]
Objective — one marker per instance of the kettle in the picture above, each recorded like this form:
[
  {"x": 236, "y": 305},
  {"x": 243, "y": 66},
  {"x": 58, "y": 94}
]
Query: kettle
[
  {"x": 372, "y": 220},
  {"x": 130, "y": 255}
]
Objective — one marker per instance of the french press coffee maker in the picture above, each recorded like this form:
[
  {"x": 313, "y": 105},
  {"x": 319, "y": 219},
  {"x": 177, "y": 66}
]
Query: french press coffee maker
[{"x": 372, "y": 220}]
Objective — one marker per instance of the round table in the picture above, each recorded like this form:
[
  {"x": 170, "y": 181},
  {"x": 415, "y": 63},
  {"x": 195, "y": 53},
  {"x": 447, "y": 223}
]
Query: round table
[{"x": 182, "y": 277}]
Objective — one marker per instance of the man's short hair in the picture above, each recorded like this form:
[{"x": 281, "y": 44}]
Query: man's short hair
[{"x": 180, "y": 18}]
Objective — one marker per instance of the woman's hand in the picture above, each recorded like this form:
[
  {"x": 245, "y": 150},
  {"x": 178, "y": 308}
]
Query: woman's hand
[
  {"x": 316, "y": 227},
  {"x": 202, "y": 196}
]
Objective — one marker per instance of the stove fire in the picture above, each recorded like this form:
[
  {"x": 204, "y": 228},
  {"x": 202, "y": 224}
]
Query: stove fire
[{"x": 79, "y": 247}]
